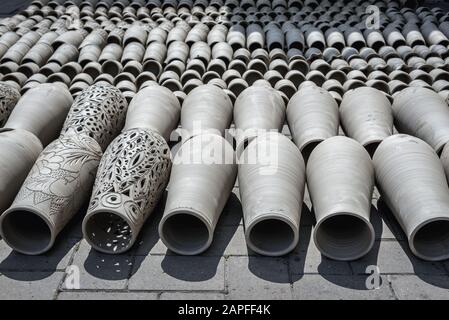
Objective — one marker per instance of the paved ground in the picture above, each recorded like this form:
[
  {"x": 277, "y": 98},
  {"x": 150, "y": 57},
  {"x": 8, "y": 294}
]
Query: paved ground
[{"x": 228, "y": 270}]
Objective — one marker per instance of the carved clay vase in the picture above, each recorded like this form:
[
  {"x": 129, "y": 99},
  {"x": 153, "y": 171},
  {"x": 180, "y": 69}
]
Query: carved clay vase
[
  {"x": 54, "y": 191},
  {"x": 257, "y": 109},
  {"x": 340, "y": 179},
  {"x": 312, "y": 116},
  {"x": 8, "y": 99},
  {"x": 131, "y": 178},
  {"x": 411, "y": 180},
  {"x": 424, "y": 114},
  {"x": 20, "y": 150},
  {"x": 99, "y": 111},
  {"x": 202, "y": 177},
  {"x": 366, "y": 116},
  {"x": 156, "y": 108},
  {"x": 271, "y": 174},
  {"x": 207, "y": 108},
  {"x": 41, "y": 111}
]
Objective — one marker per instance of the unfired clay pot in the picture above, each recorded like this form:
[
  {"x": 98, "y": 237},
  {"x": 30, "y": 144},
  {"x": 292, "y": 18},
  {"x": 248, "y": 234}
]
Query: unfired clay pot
[
  {"x": 99, "y": 111},
  {"x": 202, "y": 177},
  {"x": 271, "y": 175},
  {"x": 411, "y": 180},
  {"x": 340, "y": 179},
  {"x": 424, "y": 114},
  {"x": 8, "y": 99},
  {"x": 41, "y": 111},
  {"x": 366, "y": 116},
  {"x": 131, "y": 178},
  {"x": 54, "y": 191},
  {"x": 312, "y": 116}
]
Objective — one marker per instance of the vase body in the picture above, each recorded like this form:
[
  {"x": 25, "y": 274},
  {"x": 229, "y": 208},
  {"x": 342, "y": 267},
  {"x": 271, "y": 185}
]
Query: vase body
[{"x": 8, "y": 99}]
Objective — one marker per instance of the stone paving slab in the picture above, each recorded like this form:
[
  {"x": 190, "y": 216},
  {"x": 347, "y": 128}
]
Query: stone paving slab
[
  {"x": 87, "y": 295},
  {"x": 413, "y": 287},
  {"x": 29, "y": 285}
]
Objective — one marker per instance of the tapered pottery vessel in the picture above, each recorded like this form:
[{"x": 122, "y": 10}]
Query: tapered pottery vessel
[
  {"x": 54, "y": 191},
  {"x": 41, "y": 111},
  {"x": 366, "y": 116},
  {"x": 98, "y": 111},
  {"x": 131, "y": 178},
  {"x": 272, "y": 178},
  {"x": 411, "y": 180},
  {"x": 257, "y": 109},
  {"x": 424, "y": 114},
  {"x": 156, "y": 108},
  {"x": 8, "y": 99},
  {"x": 202, "y": 177},
  {"x": 207, "y": 108},
  {"x": 312, "y": 116},
  {"x": 340, "y": 180}
]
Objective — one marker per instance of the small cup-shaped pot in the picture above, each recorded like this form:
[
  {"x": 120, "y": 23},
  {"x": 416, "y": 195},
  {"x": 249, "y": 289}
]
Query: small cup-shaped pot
[
  {"x": 411, "y": 180},
  {"x": 312, "y": 116},
  {"x": 257, "y": 109},
  {"x": 155, "y": 108},
  {"x": 98, "y": 111},
  {"x": 192, "y": 209},
  {"x": 131, "y": 178},
  {"x": 206, "y": 109},
  {"x": 366, "y": 116},
  {"x": 41, "y": 111},
  {"x": 8, "y": 99},
  {"x": 422, "y": 113},
  {"x": 54, "y": 191},
  {"x": 340, "y": 179},
  {"x": 271, "y": 175},
  {"x": 20, "y": 150}
]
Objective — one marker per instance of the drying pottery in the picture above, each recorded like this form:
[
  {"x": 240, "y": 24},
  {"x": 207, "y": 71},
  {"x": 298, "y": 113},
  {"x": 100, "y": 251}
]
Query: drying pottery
[{"x": 8, "y": 99}]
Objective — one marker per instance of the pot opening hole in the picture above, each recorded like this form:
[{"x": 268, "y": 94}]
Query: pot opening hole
[
  {"x": 308, "y": 148},
  {"x": 272, "y": 236},
  {"x": 371, "y": 148},
  {"x": 344, "y": 237},
  {"x": 185, "y": 233},
  {"x": 26, "y": 232},
  {"x": 432, "y": 240},
  {"x": 108, "y": 232}
]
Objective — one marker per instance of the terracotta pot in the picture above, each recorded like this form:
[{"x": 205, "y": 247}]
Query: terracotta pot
[
  {"x": 54, "y": 191},
  {"x": 134, "y": 51},
  {"x": 411, "y": 180},
  {"x": 366, "y": 116},
  {"x": 162, "y": 117},
  {"x": 9, "y": 96},
  {"x": 192, "y": 209},
  {"x": 206, "y": 109},
  {"x": 64, "y": 54},
  {"x": 112, "y": 51},
  {"x": 21, "y": 149},
  {"x": 41, "y": 111},
  {"x": 200, "y": 50},
  {"x": 257, "y": 109},
  {"x": 177, "y": 50},
  {"x": 99, "y": 111},
  {"x": 135, "y": 33},
  {"x": 155, "y": 51},
  {"x": 236, "y": 37},
  {"x": 38, "y": 54},
  {"x": 423, "y": 114},
  {"x": 255, "y": 37},
  {"x": 93, "y": 69},
  {"x": 131, "y": 178},
  {"x": 271, "y": 193},
  {"x": 223, "y": 51},
  {"x": 340, "y": 179}
]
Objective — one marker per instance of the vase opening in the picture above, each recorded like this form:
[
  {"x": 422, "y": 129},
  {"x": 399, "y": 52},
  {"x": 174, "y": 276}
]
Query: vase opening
[
  {"x": 372, "y": 147},
  {"x": 272, "y": 237},
  {"x": 308, "y": 148},
  {"x": 26, "y": 232},
  {"x": 185, "y": 233},
  {"x": 344, "y": 236},
  {"x": 430, "y": 241}
]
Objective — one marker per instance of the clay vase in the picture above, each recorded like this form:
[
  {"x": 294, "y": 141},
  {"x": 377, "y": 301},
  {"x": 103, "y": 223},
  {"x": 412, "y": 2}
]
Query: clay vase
[
  {"x": 340, "y": 179},
  {"x": 41, "y": 111},
  {"x": 271, "y": 174},
  {"x": 257, "y": 109},
  {"x": 202, "y": 177},
  {"x": 312, "y": 116},
  {"x": 98, "y": 111},
  {"x": 20, "y": 151},
  {"x": 54, "y": 191},
  {"x": 8, "y": 99},
  {"x": 424, "y": 114},
  {"x": 155, "y": 108},
  {"x": 366, "y": 116},
  {"x": 131, "y": 178},
  {"x": 411, "y": 181},
  {"x": 207, "y": 108}
]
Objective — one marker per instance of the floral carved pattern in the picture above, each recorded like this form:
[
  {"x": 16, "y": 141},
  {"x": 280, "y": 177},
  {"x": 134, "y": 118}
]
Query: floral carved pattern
[{"x": 8, "y": 99}]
